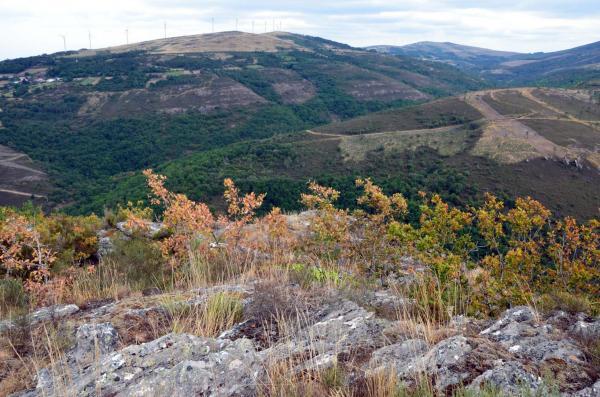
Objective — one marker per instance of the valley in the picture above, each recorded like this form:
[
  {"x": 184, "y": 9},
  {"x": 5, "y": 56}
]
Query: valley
[
  {"x": 235, "y": 214},
  {"x": 459, "y": 147},
  {"x": 276, "y": 110}
]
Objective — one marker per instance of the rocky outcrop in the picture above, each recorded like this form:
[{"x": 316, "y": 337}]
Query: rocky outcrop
[
  {"x": 343, "y": 328},
  {"x": 175, "y": 364},
  {"x": 41, "y": 315},
  {"x": 510, "y": 377},
  {"x": 149, "y": 229},
  {"x": 513, "y": 353}
]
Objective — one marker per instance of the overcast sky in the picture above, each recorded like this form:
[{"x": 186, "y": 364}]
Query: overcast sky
[{"x": 29, "y": 27}]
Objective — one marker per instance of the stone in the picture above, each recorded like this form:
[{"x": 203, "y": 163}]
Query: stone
[
  {"x": 175, "y": 365},
  {"x": 44, "y": 314},
  {"x": 401, "y": 357},
  {"x": 92, "y": 342},
  {"x": 343, "y": 328},
  {"x": 445, "y": 361},
  {"x": 520, "y": 333},
  {"x": 587, "y": 330},
  {"x": 519, "y": 314},
  {"x": 152, "y": 230},
  {"x": 510, "y": 377},
  {"x": 105, "y": 244}
]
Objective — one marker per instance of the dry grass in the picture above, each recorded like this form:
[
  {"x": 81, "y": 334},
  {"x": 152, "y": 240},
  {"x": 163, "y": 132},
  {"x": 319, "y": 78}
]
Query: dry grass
[
  {"x": 215, "y": 42},
  {"x": 220, "y": 312},
  {"x": 25, "y": 350},
  {"x": 447, "y": 141}
]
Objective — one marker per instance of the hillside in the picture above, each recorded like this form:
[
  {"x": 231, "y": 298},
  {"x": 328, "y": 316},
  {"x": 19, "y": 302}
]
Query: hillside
[
  {"x": 85, "y": 117},
  {"x": 579, "y": 66},
  {"x": 513, "y": 142},
  {"x": 20, "y": 179},
  {"x": 462, "y": 56}
]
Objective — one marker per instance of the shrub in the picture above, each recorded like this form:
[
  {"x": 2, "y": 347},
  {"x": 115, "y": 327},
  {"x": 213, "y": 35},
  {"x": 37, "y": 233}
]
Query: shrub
[
  {"x": 12, "y": 296},
  {"x": 140, "y": 263}
]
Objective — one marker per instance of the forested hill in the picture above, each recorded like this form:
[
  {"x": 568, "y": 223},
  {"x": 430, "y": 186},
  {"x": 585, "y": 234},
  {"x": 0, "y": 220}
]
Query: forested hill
[{"x": 87, "y": 117}]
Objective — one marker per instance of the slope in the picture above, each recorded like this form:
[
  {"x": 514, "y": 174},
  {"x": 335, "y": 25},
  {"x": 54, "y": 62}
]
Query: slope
[
  {"x": 459, "y": 147},
  {"x": 455, "y": 54},
  {"x": 579, "y": 66},
  {"x": 88, "y": 116}
]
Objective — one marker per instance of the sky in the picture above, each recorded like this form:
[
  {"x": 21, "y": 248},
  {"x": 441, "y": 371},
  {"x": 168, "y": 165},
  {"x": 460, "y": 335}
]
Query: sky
[{"x": 31, "y": 27}]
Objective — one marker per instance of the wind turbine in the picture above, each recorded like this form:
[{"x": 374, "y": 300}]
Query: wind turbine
[
  {"x": 64, "y": 41},
  {"x": 90, "y": 39},
  {"x": 236, "y": 24},
  {"x": 127, "y": 35},
  {"x": 213, "y": 24},
  {"x": 165, "y": 27}
]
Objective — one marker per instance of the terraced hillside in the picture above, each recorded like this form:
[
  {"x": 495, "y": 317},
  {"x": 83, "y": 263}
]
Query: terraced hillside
[
  {"x": 20, "y": 179},
  {"x": 88, "y": 116},
  {"x": 512, "y": 142}
]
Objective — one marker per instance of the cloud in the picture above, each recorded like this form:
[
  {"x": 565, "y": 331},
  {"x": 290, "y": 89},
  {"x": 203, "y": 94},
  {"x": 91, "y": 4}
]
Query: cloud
[{"x": 33, "y": 27}]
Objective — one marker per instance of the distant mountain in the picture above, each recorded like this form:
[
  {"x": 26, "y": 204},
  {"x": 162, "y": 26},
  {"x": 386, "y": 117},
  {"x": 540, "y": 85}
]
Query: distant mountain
[
  {"x": 455, "y": 54},
  {"x": 572, "y": 67},
  {"x": 87, "y": 116},
  {"x": 579, "y": 66}
]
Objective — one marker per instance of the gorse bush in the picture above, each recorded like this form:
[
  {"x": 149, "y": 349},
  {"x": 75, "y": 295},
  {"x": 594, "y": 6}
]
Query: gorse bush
[{"x": 476, "y": 261}]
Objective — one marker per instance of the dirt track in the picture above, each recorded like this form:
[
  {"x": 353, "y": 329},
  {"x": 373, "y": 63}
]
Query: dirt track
[
  {"x": 19, "y": 177},
  {"x": 507, "y": 140}
]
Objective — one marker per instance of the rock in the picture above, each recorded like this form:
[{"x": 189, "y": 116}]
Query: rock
[
  {"x": 52, "y": 312},
  {"x": 592, "y": 391},
  {"x": 151, "y": 230},
  {"x": 344, "y": 327},
  {"x": 175, "y": 365},
  {"x": 510, "y": 377},
  {"x": 105, "y": 246},
  {"x": 386, "y": 304},
  {"x": 563, "y": 350},
  {"x": 233, "y": 370},
  {"x": 44, "y": 314},
  {"x": 445, "y": 361},
  {"x": 93, "y": 341},
  {"x": 518, "y": 330},
  {"x": 517, "y": 314},
  {"x": 587, "y": 330},
  {"x": 399, "y": 357},
  {"x": 105, "y": 243}
]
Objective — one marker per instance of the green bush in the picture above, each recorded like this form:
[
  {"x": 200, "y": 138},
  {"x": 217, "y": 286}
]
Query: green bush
[
  {"x": 12, "y": 296},
  {"x": 140, "y": 261}
]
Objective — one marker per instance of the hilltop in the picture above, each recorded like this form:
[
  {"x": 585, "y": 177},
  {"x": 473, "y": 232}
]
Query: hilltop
[{"x": 213, "y": 42}]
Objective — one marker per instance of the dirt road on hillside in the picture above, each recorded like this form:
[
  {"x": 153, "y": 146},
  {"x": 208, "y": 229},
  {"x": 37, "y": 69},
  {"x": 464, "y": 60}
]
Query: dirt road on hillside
[
  {"x": 506, "y": 139},
  {"x": 19, "y": 177}
]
